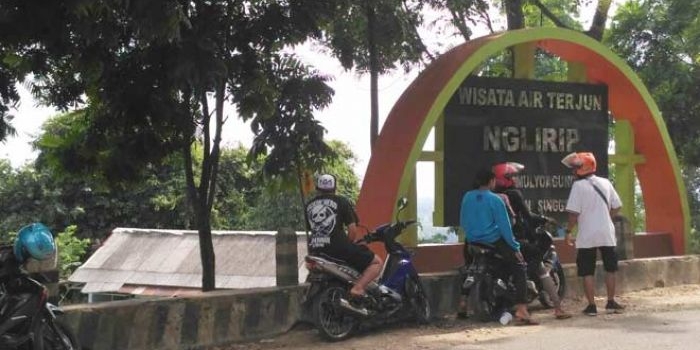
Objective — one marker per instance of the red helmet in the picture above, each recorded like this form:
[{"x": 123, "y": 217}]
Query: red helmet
[
  {"x": 583, "y": 162},
  {"x": 504, "y": 173}
]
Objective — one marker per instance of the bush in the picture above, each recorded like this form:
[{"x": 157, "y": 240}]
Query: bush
[{"x": 71, "y": 250}]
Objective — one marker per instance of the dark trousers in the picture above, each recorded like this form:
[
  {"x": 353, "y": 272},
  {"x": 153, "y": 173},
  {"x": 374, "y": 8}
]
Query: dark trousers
[{"x": 517, "y": 268}]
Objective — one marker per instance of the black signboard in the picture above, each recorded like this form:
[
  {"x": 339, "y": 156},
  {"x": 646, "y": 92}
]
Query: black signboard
[{"x": 535, "y": 123}]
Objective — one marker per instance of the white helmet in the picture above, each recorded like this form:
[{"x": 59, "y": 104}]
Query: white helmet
[{"x": 325, "y": 182}]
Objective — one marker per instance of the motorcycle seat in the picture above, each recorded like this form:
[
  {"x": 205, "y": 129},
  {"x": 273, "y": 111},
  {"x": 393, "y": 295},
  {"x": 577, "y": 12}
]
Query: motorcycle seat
[
  {"x": 331, "y": 259},
  {"x": 481, "y": 248}
]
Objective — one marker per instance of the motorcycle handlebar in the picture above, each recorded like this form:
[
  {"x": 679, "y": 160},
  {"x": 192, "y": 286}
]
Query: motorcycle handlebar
[{"x": 372, "y": 236}]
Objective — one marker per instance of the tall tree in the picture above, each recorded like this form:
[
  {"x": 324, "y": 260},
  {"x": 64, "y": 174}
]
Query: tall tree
[
  {"x": 157, "y": 76},
  {"x": 376, "y": 36}
]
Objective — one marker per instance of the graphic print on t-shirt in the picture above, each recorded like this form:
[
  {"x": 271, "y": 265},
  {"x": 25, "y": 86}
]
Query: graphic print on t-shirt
[{"x": 322, "y": 214}]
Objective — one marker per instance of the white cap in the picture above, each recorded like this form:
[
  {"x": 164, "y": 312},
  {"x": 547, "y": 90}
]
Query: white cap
[{"x": 326, "y": 182}]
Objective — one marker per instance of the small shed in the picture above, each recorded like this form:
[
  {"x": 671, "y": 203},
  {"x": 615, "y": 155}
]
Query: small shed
[{"x": 165, "y": 263}]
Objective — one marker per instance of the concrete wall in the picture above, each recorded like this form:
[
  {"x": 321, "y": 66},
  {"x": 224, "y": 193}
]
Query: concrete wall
[
  {"x": 446, "y": 257},
  {"x": 215, "y": 318},
  {"x": 234, "y": 316}
]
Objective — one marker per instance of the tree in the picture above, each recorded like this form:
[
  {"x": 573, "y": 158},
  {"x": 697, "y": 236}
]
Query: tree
[
  {"x": 157, "y": 75},
  {"x": 660, "y": 40},
  {"x": 522, "y": 14},
  {"x": 376, "y": 36},
  {"x": 278, "y": 205}
]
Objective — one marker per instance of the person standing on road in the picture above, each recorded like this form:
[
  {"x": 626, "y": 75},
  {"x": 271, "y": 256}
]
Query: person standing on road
[
  {"x": 592, "y": 203},
  {"x": 484, "y": 218}
]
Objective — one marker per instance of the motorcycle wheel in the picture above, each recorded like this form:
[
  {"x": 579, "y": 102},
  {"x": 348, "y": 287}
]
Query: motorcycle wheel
[
  {"x": 332, "y": 322},
  {"x": 418, "y": 300},
  {"x": 479, "y": 301},
  {"x": 54, "y": 335},
  {"x": 557, "y": 274}
]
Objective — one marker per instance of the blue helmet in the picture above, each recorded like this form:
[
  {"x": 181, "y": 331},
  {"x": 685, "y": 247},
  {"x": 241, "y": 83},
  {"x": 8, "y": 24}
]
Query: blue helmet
[{"x": 34, "y": 241}]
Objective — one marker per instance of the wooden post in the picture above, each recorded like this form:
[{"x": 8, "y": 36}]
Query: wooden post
[
  {"x": 410, "y": 237},
  {"x": 286, "y": 257}
]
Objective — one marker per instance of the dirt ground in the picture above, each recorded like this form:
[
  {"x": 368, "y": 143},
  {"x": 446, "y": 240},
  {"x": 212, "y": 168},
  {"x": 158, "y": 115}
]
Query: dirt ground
[{"x": 447, "y": 332}]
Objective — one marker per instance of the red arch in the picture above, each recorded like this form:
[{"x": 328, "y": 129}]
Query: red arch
[{"x": 405, "y": 129}]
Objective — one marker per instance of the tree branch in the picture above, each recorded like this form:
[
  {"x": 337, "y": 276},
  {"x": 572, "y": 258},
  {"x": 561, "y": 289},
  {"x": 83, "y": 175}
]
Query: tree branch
[
  {"x": 206, "y": 171},
  {"x": 601, "y": 16},
  {"x": 220, "y": 98},
  {"x": 549, "y": 14},
  {"x": 418, "y": 37},
  {"x": 189, "y": 178},
  {"x": 461, "y": 26}
]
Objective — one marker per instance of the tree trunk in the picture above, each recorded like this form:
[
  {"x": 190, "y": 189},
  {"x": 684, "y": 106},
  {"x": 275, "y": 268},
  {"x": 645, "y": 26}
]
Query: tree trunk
[
  {"x": 202, "y": 221},
  {"x": 302, "y": 198},
  {"x": 374, "y": 73},
  {"x": 514, "y": 14},
  {"x": 516, "y": 20},
  {"x": 601, "y": 16},
  {"x": 206, "y": 248},
  {"x": 201, "y": 197}
]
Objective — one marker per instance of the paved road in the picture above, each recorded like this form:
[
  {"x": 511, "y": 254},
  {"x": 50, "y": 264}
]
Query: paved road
[
  {"x": 667, "y": 331},
  {"x": 656, "y": 319}
]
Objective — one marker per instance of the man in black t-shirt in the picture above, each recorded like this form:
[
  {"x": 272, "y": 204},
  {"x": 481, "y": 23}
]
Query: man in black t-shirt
[{"x": 327, "y": 215}]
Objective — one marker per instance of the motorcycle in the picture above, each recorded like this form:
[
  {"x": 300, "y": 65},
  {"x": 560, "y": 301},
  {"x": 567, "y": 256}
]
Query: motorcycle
[
  {"x": 398, "y": 291},
  {"x": 552, "y": 265},
  {"x": 489, "y": 287},
  {"x": 27, "y": 319}
]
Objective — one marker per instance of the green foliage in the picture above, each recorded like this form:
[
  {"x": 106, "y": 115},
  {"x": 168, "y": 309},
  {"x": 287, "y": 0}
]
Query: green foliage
[
  {"x": 566, "y": 11},
  {"x": 394, "y": 34},
  {"x": 290, "y": 138},
  {"x": 148, "y": 71},
  {"x": 246, "y": 198},
  {"x": 438, "y": 238},
  {"x": 463, "y": 14},
  {"x": 71, "y": 250},
  {"x": 280, "y": 205},
  {"x": 660, "y": 40}
]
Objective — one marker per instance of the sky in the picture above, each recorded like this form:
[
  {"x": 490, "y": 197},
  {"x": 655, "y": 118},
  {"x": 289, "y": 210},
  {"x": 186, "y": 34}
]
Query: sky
[{"x": 347, "y": 119}]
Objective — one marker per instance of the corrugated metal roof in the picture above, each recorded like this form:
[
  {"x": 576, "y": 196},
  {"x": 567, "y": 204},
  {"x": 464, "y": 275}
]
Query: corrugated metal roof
[{"x": 170, "y": 258}]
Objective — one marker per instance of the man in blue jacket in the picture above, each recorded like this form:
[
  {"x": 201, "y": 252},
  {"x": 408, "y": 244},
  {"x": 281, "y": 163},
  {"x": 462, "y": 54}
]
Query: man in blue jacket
[{"x": 484, "y": 218}]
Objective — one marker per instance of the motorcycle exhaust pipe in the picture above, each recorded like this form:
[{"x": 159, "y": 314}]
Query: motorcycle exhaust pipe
[{"x": 359, "y": 311}]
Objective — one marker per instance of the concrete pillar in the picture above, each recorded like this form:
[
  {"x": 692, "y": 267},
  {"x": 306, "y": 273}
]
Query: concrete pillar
[
  {"x": 524, "y": 61},
  {"x": 577, "y": 72},
  {"x": 286, "y": 258},
  {"x": 439, "y": 164},
  {"x": 625, "y": 160},
  {"x": 410, "y": 237},
  {"x": 625, "y": 237}
]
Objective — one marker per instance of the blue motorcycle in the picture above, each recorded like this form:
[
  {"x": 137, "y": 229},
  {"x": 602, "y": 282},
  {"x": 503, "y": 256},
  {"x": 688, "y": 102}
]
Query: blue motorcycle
[{"x": 398, "y": 293}]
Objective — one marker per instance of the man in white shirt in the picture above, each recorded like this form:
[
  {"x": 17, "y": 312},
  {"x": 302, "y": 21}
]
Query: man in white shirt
[{"x": 592, "y": 203}]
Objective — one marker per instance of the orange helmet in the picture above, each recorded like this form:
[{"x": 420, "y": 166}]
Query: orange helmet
[
  {"x": 583, "y": 162},
  {"x": 504, "y": 173}
]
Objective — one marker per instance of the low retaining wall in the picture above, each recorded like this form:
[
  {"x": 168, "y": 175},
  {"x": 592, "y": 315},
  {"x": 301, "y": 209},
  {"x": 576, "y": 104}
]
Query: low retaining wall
[
  {"x": 214, "y": 318},
  {"x": 234, "y": 316}
]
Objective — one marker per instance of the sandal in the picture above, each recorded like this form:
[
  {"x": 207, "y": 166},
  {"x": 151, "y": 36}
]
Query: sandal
[{"x": 525, "y": 322}]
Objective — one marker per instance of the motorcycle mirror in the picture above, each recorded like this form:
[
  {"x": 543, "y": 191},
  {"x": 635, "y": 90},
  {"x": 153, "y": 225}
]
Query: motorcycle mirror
[{"x": 401, "y": 205}]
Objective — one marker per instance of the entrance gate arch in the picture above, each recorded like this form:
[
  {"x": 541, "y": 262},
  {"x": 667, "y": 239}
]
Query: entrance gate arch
[{"x": 399, "y": 145}]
